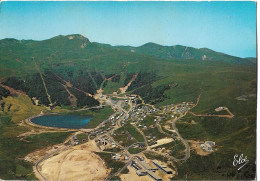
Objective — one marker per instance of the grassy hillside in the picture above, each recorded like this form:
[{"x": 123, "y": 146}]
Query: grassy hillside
[
  {"x": 184, "y": 52},
  {"x": 12, "y": 148}
]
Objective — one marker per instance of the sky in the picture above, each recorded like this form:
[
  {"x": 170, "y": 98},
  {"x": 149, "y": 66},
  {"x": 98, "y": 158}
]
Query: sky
[{"x": 228, "y": 27}]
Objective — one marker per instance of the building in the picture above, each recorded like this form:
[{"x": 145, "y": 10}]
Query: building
[
  {"x": 141, "y": 145},
  {"x": 162, "y": 167},
  {"x": 154, "y": 176},
  {"x": 147, "y": 166},
  {"x": 135, "y": 166},
  {"x": 207, "y": 146},
  {"x": 141, "y": 172},
  {"x": 220, "y": 109},
  {"x": 147, "y": 169},
  {"x": 117, "y": 156}
]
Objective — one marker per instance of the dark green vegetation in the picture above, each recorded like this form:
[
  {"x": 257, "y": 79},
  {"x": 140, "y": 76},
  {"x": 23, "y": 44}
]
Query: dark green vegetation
[
  {"x": 166, "y": 75},
  {"x": 217, "y": 165},
  {"x": 116, "y": 78},
  {"x": 154, "y": 132},
  {"x": 82, "y": 137},
  {"x": 141, "y": 79},
  {"x": 82, "y": 99},
  {"x": 148, "y": 121},
  {"x": 135, "y": 150},
  {"x": 152, "y": 95},
  {"x": 117, "y": 178},
  {"x": 33, "y": 86},
  {"x": 4, "y": 92},
  {"x": 115, "y": 149}
]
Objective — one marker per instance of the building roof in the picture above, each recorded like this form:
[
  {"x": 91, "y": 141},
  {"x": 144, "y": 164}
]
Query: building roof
[
  {"x": 162, "y": 167},
  {"x": 154, "y": 175},
  {"x": 146, "y": 165}
]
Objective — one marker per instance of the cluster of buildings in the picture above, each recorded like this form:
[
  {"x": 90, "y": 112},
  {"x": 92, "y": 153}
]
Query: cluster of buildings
[
  {"x": 151, "y": 139},
  {"x": 105, "y": 142},
  {"x": 180, "y": 108},
  {"x": 120, "y": 157},
  {"x": 138, "y": 145},
  {"x": 143, "y": 168},
  {"x": 184, "y": 107},
  {"x": 76, "y": 141}
]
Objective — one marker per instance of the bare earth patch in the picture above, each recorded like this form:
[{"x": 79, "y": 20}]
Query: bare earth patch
[
  {"x": 195, "y": 145},
  {"x": 72, "y": 98},
  {"x": 162, "y": 142},
  {"x": 12, "y": 90},
  {"x": 77, "y": 163},
  {"x": 229, "y": 115},
  {"x": 124, "y": 89}
]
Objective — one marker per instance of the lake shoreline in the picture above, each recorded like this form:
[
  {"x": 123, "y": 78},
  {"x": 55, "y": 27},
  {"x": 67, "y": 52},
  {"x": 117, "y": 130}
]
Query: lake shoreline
[{"x": 69, "y": 121}]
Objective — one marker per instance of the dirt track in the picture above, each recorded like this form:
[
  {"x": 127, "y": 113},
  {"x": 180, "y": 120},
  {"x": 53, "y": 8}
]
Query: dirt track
[
  {"x": 110, "y": 78},
  {"x": 162, "y": 142},
  {"x": 229, "y": 115},
  {"x": 124, "y": 89},
  {"x": 73, "y": 99}
]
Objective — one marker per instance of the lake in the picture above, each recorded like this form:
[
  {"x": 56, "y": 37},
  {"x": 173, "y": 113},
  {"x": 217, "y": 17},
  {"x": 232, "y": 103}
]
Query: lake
[{"x": 62, "y": 121}]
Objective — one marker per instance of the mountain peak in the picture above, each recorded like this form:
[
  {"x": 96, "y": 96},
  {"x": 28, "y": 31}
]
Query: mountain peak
[
  {"x": 150, "y": 44},
  {"x": 76, "y": 36},
  {"x": 71, "y": 37}
]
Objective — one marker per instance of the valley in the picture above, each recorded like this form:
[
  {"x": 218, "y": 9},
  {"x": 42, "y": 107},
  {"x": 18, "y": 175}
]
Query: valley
[{"x": 154, "y": 117}]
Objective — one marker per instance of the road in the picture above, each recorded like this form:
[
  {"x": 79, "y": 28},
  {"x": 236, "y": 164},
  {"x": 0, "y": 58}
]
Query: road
[{"x": 187, "y": 147}]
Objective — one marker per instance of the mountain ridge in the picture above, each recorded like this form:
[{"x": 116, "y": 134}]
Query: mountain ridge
[
  {"x": 84, "y": 47},
  {"x": 184, "y": 52}
]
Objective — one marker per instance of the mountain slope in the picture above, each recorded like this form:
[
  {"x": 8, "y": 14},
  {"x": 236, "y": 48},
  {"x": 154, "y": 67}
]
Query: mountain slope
[
  {"x": 18, "y": 56},
  {"x": 184, "y": 52}
]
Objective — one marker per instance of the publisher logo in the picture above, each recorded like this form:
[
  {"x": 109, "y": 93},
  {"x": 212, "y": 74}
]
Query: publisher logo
[{"x": 240, "y": 161}]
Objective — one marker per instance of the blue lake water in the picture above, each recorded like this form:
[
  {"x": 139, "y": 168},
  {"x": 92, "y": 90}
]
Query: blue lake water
[{"x": 63, "y": 121}]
